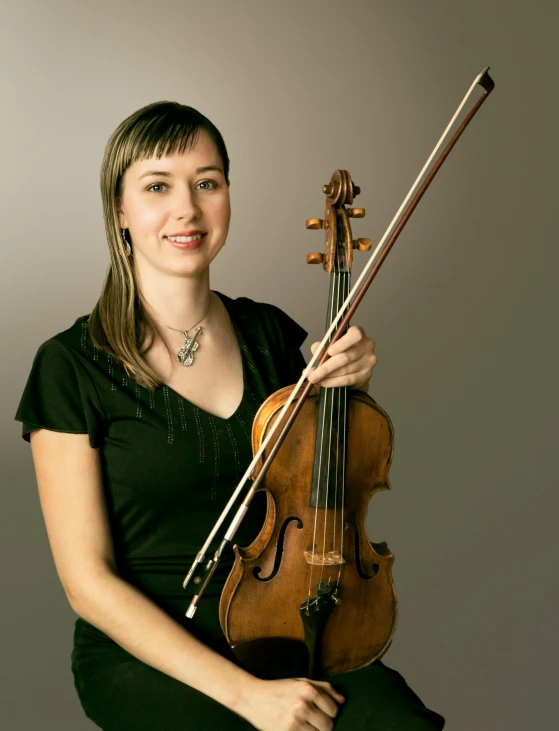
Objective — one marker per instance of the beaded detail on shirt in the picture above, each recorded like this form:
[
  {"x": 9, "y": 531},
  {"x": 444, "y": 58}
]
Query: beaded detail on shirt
[{"x": 178, "y": 415}]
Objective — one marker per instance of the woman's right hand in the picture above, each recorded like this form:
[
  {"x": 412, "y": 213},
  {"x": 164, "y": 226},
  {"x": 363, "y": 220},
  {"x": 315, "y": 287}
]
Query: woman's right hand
[{"x": 294, "y": 704}]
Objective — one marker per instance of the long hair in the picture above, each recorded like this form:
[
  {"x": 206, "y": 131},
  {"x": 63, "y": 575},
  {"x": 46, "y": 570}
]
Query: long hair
[{"x": 120, "y": 324}]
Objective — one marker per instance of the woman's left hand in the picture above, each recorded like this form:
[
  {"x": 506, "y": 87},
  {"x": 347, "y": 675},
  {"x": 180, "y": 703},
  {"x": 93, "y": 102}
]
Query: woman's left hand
[{"x": 351, "y": 362}]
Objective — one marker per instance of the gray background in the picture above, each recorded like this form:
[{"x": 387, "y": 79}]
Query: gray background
[{"x": 462, "y": 311}]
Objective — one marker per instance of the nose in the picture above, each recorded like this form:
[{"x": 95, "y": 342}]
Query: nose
[{"x": 187, "y": 207}]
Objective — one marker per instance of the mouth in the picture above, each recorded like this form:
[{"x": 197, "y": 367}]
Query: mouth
[
  {"x": 186, "y": 238},
  {"x": 192, "y": 241}
]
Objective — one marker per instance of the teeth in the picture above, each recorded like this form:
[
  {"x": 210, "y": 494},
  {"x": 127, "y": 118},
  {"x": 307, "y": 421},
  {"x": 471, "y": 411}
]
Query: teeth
[{"x": 184, "y": 239}]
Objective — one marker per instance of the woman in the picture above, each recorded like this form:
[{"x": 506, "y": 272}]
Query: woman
[{"x": 138, "y": 442}]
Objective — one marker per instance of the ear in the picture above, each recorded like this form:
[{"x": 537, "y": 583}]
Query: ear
[{"x": 123, "y": 223}]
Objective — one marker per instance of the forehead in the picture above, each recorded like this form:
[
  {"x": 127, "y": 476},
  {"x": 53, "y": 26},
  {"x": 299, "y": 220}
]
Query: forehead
[{"x": 203, "y": 154}]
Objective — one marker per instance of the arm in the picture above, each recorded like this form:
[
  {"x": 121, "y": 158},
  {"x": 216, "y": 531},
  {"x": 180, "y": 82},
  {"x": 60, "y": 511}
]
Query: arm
[{"x": 70, "y": 485}]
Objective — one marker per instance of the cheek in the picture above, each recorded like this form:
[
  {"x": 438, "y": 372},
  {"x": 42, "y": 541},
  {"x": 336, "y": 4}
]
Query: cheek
[
  {"x": 217, "y": 212},
  {"x": 146, "y": 219},
  {"x": 223, "y": 212}
]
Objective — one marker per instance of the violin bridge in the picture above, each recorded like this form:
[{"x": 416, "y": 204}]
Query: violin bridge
[{"x": 324, "y": 558}]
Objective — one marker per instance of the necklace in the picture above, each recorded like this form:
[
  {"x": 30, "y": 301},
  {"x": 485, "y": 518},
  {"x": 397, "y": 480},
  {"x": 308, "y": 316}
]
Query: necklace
[{"x": 185, "y": 356}]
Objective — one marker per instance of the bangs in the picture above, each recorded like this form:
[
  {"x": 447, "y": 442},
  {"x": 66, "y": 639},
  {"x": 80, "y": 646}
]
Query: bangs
[
  {"x": 158, "y": 130},
  {"x": 160, "y": 137}
]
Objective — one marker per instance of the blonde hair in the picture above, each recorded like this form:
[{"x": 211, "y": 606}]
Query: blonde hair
[{"x": 120, "y": 324}]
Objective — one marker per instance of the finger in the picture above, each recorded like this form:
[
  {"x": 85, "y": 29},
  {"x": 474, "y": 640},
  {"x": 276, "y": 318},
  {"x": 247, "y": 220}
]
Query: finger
[
  {"x": 321, "y": 373},
  {"x": 319, "y": 720},
  {"x": 329, "y": 689},
  {"x": 315, "y": 707},
  {"x": 311, "y": 378},
  {"x": 342, "y": 367},
  {"x": 351, "y": 379},
  {"x": 360, "y": 343},
  {"x": 315, "y": 347},
  {"x": 354, "y": 336},
  {"x": 320, "y": 710},
  {"x": 349, "y": 360},
  {"x": 346, "y": 364}
]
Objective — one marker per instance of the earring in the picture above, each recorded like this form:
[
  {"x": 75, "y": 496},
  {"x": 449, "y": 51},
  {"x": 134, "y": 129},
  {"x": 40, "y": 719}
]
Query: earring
[{"x": 126, "y": 243}]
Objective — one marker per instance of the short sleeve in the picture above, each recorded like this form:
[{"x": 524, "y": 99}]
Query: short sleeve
[
  {"x": 289, "y": 336},
  {"x": 60, "y": 395}
]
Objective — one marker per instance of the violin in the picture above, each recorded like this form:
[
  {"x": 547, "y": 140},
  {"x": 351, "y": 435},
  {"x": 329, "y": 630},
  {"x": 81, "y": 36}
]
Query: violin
[
  {"x": 312, "y": 571},
  {"x": 312, "y": 595}
]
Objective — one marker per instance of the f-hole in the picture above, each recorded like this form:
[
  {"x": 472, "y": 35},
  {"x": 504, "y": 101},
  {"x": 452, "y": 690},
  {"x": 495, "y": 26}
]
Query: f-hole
[
  {"x": 279, "y": 550},
  {"x": 374, "y": 567}
]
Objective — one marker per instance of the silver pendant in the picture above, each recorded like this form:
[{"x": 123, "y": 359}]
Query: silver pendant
[{"x": 185, "y": 356}]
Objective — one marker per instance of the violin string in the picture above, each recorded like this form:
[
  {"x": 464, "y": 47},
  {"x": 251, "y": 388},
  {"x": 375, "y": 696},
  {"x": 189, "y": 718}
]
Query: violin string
[
  {"x": 331, "y": 395},
  {"x": 319, "y": 433},
  {"x": 344, "y": 447},
  {"x": 339, "y": 395},
  {"x": 339, "y": 299},
  {"x": 329, "y": 405},
  {"x": 341, "y": 526},
  {"x": 337, "y": 445},
  {"x": 340, "y": 452},
  {"x": 330, "y": 402},
  {"x": 323, "y": 394},
  {"x": 338, "y": 414}
]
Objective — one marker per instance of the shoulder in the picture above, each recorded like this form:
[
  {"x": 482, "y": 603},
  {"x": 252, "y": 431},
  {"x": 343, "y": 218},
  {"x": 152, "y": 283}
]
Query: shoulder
[
  {"x": 60, "y": 393},
  {"x": 265, "y": 318},
  {"x": 70, "y": 360},
  {"x": 67, "y": 343},
  {"x": 75, "y": 337}
]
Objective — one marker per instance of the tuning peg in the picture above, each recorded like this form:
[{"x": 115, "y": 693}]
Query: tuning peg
[
  {"x": 362, "y": 244},
  {"x": 357, "y": 213},
  {"x": 315, "y": 258},
  {"x": 316, "y": 223}
]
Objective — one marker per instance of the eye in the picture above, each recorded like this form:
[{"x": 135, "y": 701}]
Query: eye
[
  {"x": 156, "y": 185},
  {"x": 211, "y": 183}
]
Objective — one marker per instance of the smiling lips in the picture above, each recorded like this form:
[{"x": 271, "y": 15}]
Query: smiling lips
[{"x": 185, "y": 239}]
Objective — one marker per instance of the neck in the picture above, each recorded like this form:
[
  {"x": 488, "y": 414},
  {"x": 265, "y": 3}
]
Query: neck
[{"x": 178, "y": 302}]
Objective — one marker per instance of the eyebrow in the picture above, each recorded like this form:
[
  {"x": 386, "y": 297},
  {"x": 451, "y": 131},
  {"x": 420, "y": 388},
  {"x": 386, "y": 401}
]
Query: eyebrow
[{"x": 166, "y": 174}]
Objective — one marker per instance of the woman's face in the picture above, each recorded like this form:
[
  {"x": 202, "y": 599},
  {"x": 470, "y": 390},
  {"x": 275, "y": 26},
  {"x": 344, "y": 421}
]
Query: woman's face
[{"x": 182, "y": 195}]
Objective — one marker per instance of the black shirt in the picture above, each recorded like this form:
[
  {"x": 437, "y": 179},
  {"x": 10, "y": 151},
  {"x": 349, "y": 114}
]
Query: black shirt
[{"x": 169, "y": 467}]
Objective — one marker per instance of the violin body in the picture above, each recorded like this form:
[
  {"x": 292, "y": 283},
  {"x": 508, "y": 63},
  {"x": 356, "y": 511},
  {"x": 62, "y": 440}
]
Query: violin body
[{"x": 302, "y": 545}]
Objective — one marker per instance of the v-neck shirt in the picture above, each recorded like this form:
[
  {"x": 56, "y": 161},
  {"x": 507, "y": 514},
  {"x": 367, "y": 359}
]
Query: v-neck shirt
[{"x": 169, "y": 467}]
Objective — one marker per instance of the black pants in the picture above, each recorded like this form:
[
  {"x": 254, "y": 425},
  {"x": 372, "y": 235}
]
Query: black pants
[{"x": 118, "y": 692}]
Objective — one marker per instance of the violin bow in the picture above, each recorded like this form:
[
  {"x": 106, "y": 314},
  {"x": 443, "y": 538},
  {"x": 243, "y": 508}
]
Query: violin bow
[{"x": 203, "y": 567}]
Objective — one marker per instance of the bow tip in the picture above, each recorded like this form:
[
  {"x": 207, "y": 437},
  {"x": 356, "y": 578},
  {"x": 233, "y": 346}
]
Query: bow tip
[{"x": 485, "y": 80}]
